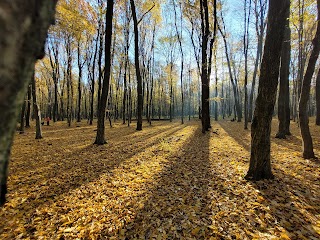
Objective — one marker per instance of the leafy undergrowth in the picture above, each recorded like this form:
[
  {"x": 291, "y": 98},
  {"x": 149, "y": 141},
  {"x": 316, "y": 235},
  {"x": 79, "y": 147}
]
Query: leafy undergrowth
[{"x": 168, "y": 181}]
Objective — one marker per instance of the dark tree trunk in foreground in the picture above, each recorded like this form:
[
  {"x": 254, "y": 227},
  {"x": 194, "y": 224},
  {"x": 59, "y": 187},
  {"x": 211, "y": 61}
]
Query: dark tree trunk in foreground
[
  {"x": 20, "y": 46},
  {"x": 283, "y": 100},
  {"x": 100, "y": 138},
  {"x": 260, "y": 165},
  {"x": 137, "y": 65},
  {"x": 305, "y": 93},
  {"x": 318, "y": 99}
]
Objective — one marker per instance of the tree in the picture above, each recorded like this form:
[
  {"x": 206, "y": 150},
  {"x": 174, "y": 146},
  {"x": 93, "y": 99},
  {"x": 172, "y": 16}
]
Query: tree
[
  {"x": 318, "y": 99},
  {"x": 36, "y": 109},
  {"x": 22, "y": 44},
  {"x": 206, "y": 60},
  {"x": 283, "y": 99},
  {"x": 305, "y": 93},
  {"x": 100, "y": 138},
  {"x": 260, "y": 165}
]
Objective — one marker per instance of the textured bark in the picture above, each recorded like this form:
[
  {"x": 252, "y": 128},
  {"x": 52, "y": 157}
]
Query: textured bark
[
  {"x": 260, "y": 164},
  {"x": 305, "y": 94},
  {"x": 283, "y": 99},
  {"x": 23, "y": 30},
  {"x": 318, "y": 99},
  {"x": 100, "y": 138},
  {"x": 137, "y": 65}
]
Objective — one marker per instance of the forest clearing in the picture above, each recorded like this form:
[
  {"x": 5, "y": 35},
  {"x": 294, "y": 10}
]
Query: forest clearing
[{"x": 168, "y": 181}]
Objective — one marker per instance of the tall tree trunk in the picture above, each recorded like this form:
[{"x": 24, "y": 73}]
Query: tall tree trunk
[
  {"x": 80, "y": 65},
  {"x": 233, "y": 82},
  {"x": 93, "y": 78},
  {"x": 305, "y": 93},
  {"x": 100, "y": 138},
  {"x": 245, "y": 49},
  {"x": 36, "y": 110},
  {"x": 283, "y": 99},
  {"x": 22, "y": 116},
  {"x": 318, "y": 99},
  {"x": 260, "y": 165},
  {"x": 28, "y": 113},
  {"x": 137, "y": 65}
]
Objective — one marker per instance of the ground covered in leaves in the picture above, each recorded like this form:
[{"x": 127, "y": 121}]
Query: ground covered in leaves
[{"x": 168, "y": 181}]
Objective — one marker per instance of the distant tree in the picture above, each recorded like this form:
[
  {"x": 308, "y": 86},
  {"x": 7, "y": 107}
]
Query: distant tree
[
  {"x": 260, "y": 165},
  {"x": 100, "y": 138},
  {"x": 305, "y": 93},
  {"x": 20, "y": 46}
]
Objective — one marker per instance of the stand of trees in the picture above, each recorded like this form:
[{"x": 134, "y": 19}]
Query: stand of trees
[{"x": 107, "y": 59}]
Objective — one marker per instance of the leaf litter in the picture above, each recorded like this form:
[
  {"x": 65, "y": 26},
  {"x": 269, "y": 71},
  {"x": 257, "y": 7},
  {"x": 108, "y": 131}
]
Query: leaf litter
[{"x": 168, "y": 181}]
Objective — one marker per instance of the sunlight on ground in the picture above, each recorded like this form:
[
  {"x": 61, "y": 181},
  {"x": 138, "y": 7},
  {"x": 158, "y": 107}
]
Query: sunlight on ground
[{"x": 168, "y": 181}]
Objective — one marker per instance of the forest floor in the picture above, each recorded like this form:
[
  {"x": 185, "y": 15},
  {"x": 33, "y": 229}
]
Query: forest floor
[{"x": 168, "y": 181}]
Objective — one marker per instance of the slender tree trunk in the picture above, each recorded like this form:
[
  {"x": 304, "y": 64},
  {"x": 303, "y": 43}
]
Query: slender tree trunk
[
  {"x": 22, "y": 116},
  {"x": 305, "y": 94},
  {"x": 28, "y": 113},
  {"x": 36, "y": 110},
  {"x": 137, "y": 65},
  {"x": 100, "y": 138},
  {"x": 245, "y": 49},
  {"x": 260, "y": 165},
  {"x": 283, "y": 99},
  {"x": 80, "y": 65},
  {"x": 318, "y": 99}
]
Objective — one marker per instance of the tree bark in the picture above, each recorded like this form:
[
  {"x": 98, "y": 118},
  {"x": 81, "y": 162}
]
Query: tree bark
[
  {"x": 22, "y": 35},
  {"x": 305, "y": 93},
  {"x": 318, "y": 99},
  {"x": 100, "y": 138},
  {"x": 137, "y": 65},
  {"x": 260, "y": 164},
  {"x": 36, "y": 109},
  {"x": 283, "y": 99}
]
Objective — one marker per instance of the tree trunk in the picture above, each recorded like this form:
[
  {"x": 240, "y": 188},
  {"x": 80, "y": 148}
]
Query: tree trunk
[
  {"x": 21, "y": 43},
  {"x": 36, "y": 110},
  {"x": 283, "y": 99},
  {"x": 318, "y": 99},
  {"x": 80, "y": 65},
  {"x": 260, "y": 165},
  {"x": 100, "y": 138},
  {"x": 22, "y": 116},
  {"x": 305, "y": 93},
  {"x": 137, "y": 65},
  {"x": 28, "y": 113}
]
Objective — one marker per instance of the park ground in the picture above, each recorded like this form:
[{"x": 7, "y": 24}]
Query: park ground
[{"x": 168, "y": 181}]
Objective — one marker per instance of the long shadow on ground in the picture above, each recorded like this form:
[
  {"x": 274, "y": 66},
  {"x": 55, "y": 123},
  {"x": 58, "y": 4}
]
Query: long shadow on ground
[
  {"x": 178, "y": 204},
  {"x": 293, "y": 203}
]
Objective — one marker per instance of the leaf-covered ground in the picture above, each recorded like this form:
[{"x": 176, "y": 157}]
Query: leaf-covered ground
[{"x": 168, "y": 181}]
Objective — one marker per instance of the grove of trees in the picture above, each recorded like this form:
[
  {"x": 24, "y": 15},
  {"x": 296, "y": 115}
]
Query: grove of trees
[{"x": 160, "y": 60}]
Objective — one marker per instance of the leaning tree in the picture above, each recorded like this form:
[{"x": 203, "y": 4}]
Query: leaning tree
[{"x": 24, "y": 25}]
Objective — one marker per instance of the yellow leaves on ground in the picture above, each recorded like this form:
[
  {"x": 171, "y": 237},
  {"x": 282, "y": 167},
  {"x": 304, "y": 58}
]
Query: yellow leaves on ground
[{"x": 168, "y": 181}]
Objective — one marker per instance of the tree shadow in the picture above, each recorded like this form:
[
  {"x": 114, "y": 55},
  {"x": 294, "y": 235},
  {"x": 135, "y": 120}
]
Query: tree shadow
[
  {"x": 292, "y": 202},
  {"x": 58, "y": 173},
  {"x": 178, "y": 202}
]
